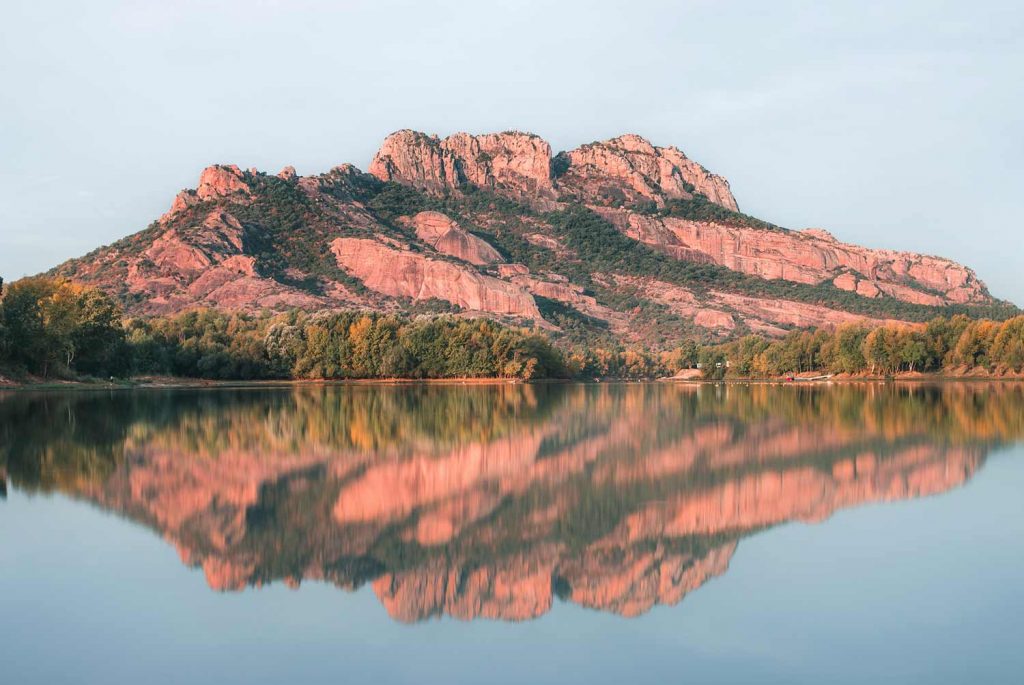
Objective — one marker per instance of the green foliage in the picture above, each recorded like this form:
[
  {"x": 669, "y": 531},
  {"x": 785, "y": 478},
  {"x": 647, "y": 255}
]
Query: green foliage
[
  {"x": 1008, "y": 344},
  {"x": 951, "y": 345},
  {"x": 699, "y": 208},
  {"x": 601, "y": 247},
  {"x": 4, "y": 341},
  {"x": 210, "y": 344},
  {"x": 576, "y": 327},
  {"x": 52, "y": 327},
  {"x": 559, "y": 164},
  {"x": 288, "y": 234},
  {"x": 392, "y": 200},
  {"x": 713, "y": 363}
]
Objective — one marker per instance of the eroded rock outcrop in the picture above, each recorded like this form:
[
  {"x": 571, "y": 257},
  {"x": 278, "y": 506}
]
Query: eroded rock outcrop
[
  {"x": 403, "y": 273},
  {"x": 215, "y": 182},
  {"x": 628, "y": 169},
  {"x": 810, "y": 257},
  {"x": 515, "y": 163},
  {"x": 446, "y": 236}
]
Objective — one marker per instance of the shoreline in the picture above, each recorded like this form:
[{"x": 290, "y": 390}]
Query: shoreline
[
  {"x": 166, "y": 382},
  {"x": 169, "y": 383}
]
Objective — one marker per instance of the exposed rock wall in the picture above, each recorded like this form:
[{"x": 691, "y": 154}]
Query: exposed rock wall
[
  {"x": 518, "y": 164},
  {"x": 446, "y": 236},
  {"x": 402, "y": 273},
  {"x": 629, "y": 168},
  {"x": 806, "y": 257}
]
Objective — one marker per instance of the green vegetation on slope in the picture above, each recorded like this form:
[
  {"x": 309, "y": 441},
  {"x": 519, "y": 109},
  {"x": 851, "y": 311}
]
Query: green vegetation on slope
[
  {"x": 601, "y": 247},
  {"x": 954, "y": 346}
]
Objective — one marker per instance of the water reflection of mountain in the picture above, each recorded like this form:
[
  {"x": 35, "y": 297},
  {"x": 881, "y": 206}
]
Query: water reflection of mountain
[{"x": 491, "y": 501}]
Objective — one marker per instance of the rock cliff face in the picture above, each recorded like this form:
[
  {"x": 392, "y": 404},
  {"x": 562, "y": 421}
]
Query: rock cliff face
[
  {"x": 629, "y": 168},
  {"x": 402, "y": 273},
  {"x": 518, "y": 164},
  {"x": 446, "y": 236},
  {"x": 811, "y": 257},
  {"x": 480, "y": 222}
]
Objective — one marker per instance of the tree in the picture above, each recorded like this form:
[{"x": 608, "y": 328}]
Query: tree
[
  {"x": 912, "y": 349},
  {"x": 881, "y": 350},
  {"x": 1008, "y": 345},
  {"x": 3, "y": 326},
  {"x": 29, "y": 343},
  {"x": 97, "y": 337},
  {"x": 843, "y": 352},
  {"x": 682, "y": 357},
  {"x": 974, "y": 345},
  {"x": 712, "y": 364}
]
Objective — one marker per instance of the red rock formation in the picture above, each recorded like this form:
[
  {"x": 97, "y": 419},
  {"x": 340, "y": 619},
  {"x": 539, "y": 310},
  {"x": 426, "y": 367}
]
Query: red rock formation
[
  {"x": 556, "y": 287},
  {"x": 402, "y": 273},
  {"x": 446, "y": 236},
  {"x": 206, "y": 265},
  {"x": 629, "y": 168},
  {"x": 720, "y": 311},
  {"x": 790, "y": 313},
  {"x": 806, "y": 257},
  {"x": 200, "y": 254},
  {"x": 602, "y": 579},
  {"x": 215, "y": 182},
  {"x": 518, "y": 164},
  {"x": 514, "y": 589}
]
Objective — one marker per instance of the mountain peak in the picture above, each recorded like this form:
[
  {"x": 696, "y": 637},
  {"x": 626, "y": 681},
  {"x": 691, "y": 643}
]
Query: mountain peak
[
  {"x": 514, "y": 163},
  {"x": 628, "y": 168}
]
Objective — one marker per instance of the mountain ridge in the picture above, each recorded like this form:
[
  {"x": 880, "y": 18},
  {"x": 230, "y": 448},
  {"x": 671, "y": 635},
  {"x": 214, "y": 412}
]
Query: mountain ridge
[{"x": 618, "y": 239}]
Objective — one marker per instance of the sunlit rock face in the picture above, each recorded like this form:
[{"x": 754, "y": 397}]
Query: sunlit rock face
[
  {"x": 811, "y": 256},
  {"x": 445, "y": 235},
  {"x": 498, "y": 502},
  {"x": 518, "y": 164},
  {"x": 629, "y": 169},
  {"x": 403, "y": 273}
]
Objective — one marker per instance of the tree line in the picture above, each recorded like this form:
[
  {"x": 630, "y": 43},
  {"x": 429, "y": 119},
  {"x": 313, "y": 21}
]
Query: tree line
[
  {"x": 54, "y": 328},
  {"x": 954, "y": 346}
]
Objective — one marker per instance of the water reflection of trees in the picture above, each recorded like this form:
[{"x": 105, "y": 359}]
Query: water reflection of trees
[
  {"x": 564, "y": 489},
  {"x": 49, "y": 440}
]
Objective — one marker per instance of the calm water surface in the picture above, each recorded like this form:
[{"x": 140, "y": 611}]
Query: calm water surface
[{"x": 514, "y": 534}]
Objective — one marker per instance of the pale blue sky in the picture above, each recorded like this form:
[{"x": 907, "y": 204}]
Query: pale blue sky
[{"x": 892, "y": 124}]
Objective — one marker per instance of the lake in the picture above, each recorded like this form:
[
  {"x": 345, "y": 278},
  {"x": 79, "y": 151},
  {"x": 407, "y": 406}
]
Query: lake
[{"x": 576, "y": 533}]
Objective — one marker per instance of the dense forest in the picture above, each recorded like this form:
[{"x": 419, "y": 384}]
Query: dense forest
[
  {"x": 953, "y": 346},
  {"x": 53, "y": 328}
]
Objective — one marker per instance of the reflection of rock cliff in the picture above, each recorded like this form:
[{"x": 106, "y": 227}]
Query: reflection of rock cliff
[{"x": 492, "y": 502}]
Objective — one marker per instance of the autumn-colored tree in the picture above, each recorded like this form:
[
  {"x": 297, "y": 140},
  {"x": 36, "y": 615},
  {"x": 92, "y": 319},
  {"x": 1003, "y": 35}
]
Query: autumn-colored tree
[
  {"x": 1008, "y": 345},
  {"x": 975, "y": 344},
  {"x": 843, "y": 351},
  {"x": 54, "y": 326}
]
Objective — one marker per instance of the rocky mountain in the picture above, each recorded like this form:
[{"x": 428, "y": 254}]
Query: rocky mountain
[
  {"x": 495, "y": 502},
  {"x": 616, "y": 240}
]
